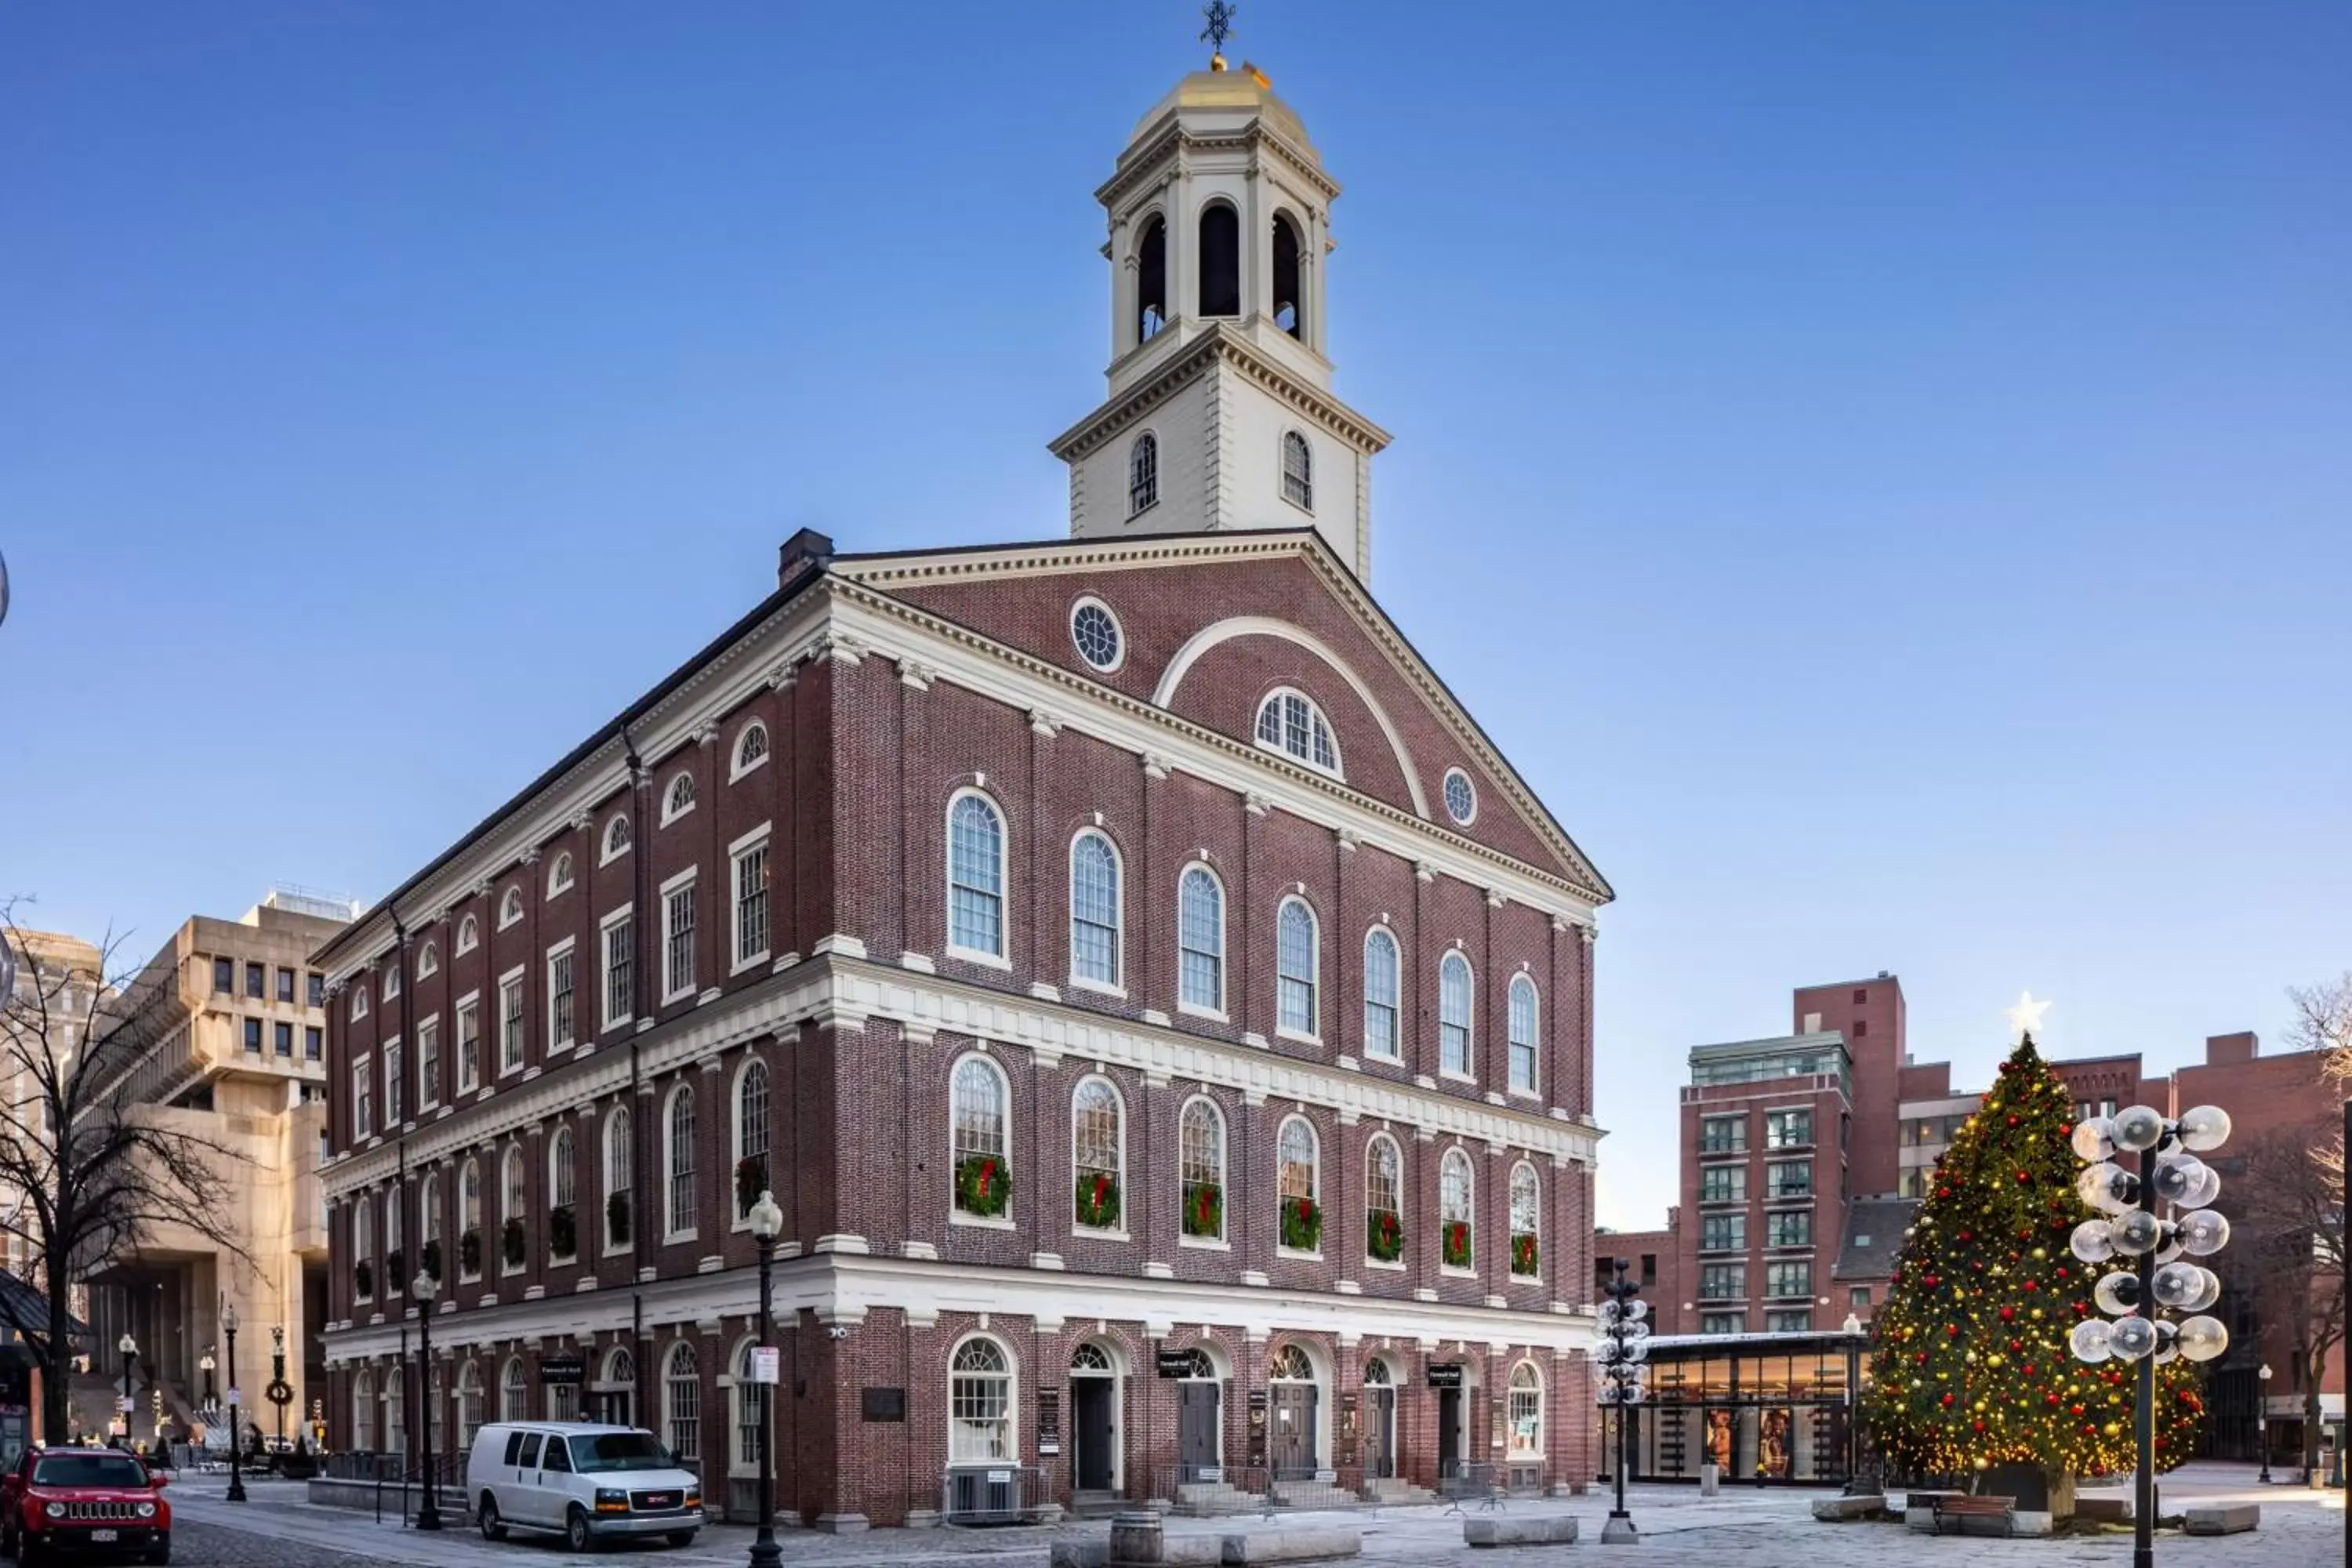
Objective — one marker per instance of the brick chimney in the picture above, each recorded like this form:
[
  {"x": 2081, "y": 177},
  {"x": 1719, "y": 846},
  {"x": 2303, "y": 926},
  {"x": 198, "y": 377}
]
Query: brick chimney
[
  {"x": 2227, "y": 1050},
  {"x": 807, "y": 550}
]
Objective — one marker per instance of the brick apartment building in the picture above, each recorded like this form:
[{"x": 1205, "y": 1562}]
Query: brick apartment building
[
  {"x": 1162, "y": 1014},
  {"x": 1803, "y": 1157}
]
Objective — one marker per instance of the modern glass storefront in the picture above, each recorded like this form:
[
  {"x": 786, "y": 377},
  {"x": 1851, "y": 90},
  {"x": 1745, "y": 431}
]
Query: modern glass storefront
[{"x": 1778, "y": 1407}]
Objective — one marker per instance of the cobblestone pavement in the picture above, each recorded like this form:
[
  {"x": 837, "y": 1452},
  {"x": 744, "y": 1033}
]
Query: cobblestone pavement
[{"x": 1680, "y": 1530}]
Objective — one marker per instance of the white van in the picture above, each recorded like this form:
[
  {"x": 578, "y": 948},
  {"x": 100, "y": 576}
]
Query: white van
[{"x": 581, "y": 1480}]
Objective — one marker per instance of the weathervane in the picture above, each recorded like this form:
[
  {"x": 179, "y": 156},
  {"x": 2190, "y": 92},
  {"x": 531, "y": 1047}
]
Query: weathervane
[{"x": 1221, "y": 27}]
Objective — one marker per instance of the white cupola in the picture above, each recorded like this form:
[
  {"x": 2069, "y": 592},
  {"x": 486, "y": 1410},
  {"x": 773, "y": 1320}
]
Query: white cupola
[{"x": 1220, "y": 412}]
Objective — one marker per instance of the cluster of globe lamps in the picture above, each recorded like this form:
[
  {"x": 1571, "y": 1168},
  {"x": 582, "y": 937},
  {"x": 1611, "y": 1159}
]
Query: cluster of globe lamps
[{"x": 2128, "y": 1229}]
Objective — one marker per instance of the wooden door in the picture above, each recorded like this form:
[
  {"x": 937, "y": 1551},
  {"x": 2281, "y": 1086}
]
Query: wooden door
[
  {"x": 1449, "y": 1432},
  {"x": 1290, "y": 1448},
  {"x": 1198, "y": 1411},
  {"x": 1090, "y": 1422},
  {"x": 1379, "y": 1433}
]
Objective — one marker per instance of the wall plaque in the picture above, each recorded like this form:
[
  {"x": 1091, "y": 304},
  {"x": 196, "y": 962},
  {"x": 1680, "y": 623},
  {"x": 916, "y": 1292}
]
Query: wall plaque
[
  {"x": 556, "y": 1369},
  {"x": 1049, "y": 1421},
  {"x": 885, "y": 1403},
  {"x": 1257, "y": 1403},
  {"x": 1443, "y": 1375}
]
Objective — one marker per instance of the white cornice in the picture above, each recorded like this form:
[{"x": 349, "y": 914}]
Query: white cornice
[
  {"x": 1145, "y": 162},
  {"x": 847, "y": 993},
  {"x": 1220, "y": 343},
  {"x": 842, "y": 1287}
]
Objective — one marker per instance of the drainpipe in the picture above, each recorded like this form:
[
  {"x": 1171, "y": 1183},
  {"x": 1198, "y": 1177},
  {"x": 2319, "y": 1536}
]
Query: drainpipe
[{"x": 638, "y": 1209}]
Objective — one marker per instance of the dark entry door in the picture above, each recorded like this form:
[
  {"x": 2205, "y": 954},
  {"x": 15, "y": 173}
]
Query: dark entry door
[
  {"x": 1379, "y": 1434},
  {"x": 1292, "y": 1449},
  {"x": 1449, "y": 1432},
  {"x": 1091, "y": 1423},
  {"x": 1197, "y": 1414},
  {"x": 610, "y": 1407}
]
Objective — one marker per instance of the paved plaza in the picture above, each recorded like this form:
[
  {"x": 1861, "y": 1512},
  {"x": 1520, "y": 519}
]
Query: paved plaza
[{"x": 1769, "y": 1528}]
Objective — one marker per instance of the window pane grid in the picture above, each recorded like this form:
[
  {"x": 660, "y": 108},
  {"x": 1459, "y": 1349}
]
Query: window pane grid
[
  {"x": 752, "y": 903},
  {"x": 1380, "y": 994},
  {"x": 1295, "y": 966},
  {"x": 681, "y": 1162},
  {"x": 1094, "y": 910},
  {"x": 677, "y": 956},
  {"x": 979, "y": 1111},
  {"x": 1381, "y": 1178},
  {"x": 976, "y": 877},
  {"x": 1202, "y": 939},
  {"x": 1453, "y": 1014}
]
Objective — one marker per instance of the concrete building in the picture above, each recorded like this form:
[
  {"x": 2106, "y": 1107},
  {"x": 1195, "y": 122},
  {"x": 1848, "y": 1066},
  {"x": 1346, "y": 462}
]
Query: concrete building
[
  {"x": 1162, "y": 1014},
  {"x": 229, "y": 1024}
]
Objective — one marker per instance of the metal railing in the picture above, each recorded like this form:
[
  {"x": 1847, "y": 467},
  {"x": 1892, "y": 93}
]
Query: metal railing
[
  {"x": 1210, "y": 1491},
  {"x": 992, "y": 1494},
  {"x": 1460, "y": 1481}
]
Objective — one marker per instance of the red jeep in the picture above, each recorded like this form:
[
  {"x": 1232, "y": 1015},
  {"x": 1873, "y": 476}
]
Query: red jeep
[{"x": 61, "y": 1503}]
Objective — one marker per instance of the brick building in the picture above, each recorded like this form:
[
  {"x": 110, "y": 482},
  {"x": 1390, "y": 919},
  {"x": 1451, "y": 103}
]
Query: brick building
[{"x": 1162, "y": 1014}]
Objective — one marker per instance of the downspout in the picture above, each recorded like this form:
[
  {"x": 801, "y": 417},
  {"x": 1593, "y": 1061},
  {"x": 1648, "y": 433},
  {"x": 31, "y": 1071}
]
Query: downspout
[{"x": 639, "y": 1214}]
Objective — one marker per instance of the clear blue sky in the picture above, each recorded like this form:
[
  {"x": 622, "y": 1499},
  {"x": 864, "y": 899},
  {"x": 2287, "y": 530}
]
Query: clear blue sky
[{"x": 1882, "y": 471}]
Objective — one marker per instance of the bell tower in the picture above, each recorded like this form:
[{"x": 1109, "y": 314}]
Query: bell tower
[{"x": 1220, "y": 412}]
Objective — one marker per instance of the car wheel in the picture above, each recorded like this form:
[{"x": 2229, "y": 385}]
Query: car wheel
[
  {"x": 161, "y": 1555},
  {"x": 8, "y": 1542},
  {"x": 681, "y": 1537},
  {"x": 493, "y": 1527},
  {"x": 28, "y": 1552},
  {"x": 577, "y": 1536}
]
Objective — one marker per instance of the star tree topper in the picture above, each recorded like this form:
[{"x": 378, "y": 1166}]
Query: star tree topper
[{"x": 2025, "y": 1018}]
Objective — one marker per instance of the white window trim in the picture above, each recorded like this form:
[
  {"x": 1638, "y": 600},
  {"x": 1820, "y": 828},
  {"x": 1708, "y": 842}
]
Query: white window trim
[
  {"x": 428, "y": 961},
  {"x": 513, "y": 1153},
  {"x": 1221, "y": 1012},
  {"x": 1470, "y": 1018},
  {"x": 1222, "y": 1240},
  {"x": 605, "y": 853},
  {"x": 1321, "y": 1206},
  {"x": 472, "y": 999},
  {"x": 511, "y": 898},
  {"x": 670, "y": 812},
  {"x": 1464, "y": 773},
  {"x": 428, "y": 1026},
  {"x": 611, "y": 1248},
  {"x": 359, "y": 1004},
  {"x": 735, "y": 767},
  {"x": 1157, "y": 473},
  {"x": 603, "y": 989},
  {"x": 1003, "y": 881},
  {"x": 1282, "y": 469},
  {"x": 1104, "y": 1233},
  {"x": 1448, "y": 1271},
  {"x": 1402, "y": 1209},
  {"x": 1118, "y": 628},
  {"x": 1007, "y": 1220},
  {"x": 668, "y": 1171},
  {"x": 498, "y": 1037},
  {"x": 1313, "y": 1036},
  {"x": 735, "y": 1134},
  {"x": 1119, "y": 912},
  {"x": 469, "y": 935},
  {"x": 363, "y": 1067},
  {"x": 458, "y": 1241},
  {"x": 1396, "y": 1002},
  {"x": 568, "y": 945},
  {"x": 562, "y": 867},
  {"x": 754, "y": 839},
  {"x": 395, "y": 1061},
  {"x": 685, "y": 879},
  {"x": 1339, "y": 768},
  {"x": 554, "y": 1139},
  {"x": 391, "y": 984},
  {"x": 1011, "y": 1396}
]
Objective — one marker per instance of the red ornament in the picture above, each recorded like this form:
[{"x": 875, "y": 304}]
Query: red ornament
[
  {"x": 1947, "y": 1402},
  {"x": 1943, "y": 1192},
  {"x": 1979, "y": 1426},
  {"x": 2030, "y": 1286},
  {"x": 2012, "y": 1121},
  {"x": 2051, "y": 1400},
  {"x": 2061, "y": 1271},
  {"x": 2074, "y": 1409},
  {"x": 2009, "y": 1312},
  {"x": 2029, "y": 1369},
  {"x": 2015, "y": 1346},
  {"x": 1931, "y": 1281},
  {"x": 2025, "y": 1178}
]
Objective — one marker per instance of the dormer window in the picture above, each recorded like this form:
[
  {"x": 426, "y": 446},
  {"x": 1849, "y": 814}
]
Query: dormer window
[{"x": 1288, "y": 721}]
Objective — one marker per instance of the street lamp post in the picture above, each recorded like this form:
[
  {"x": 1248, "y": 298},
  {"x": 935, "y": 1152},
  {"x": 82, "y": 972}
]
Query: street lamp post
[
  {"x": 767, "y": 1224},
  {"x": 425, "y": 1288},
  {"x": 130, "y": 1349},
  {"x": 2262, "y": 1421},
  {"x": 2130, "y": 1232},
  {"x": 277, "y": 1376},
  {"x": 211, "y": 1397},
  {"x": 236, "y": 1460},
  {"x": 1624, "y": 1354}
]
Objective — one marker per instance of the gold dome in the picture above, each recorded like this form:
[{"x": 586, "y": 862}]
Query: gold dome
[{"x": 1243, "y": 92}]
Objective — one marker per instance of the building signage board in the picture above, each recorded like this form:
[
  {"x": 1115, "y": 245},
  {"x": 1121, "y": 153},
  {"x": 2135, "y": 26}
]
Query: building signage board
[
  {"x": 1177, "y": 1363},
  {"x": 767, "y": 1363},
  {"x": 561, "y": 1369},
  {"x": 1445, "y": 1375},
  {"x": 1049, "y": 1421}
]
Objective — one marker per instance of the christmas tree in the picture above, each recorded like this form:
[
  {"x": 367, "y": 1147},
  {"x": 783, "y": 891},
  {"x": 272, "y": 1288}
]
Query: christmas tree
[{"x": 1970, "y": 1358}]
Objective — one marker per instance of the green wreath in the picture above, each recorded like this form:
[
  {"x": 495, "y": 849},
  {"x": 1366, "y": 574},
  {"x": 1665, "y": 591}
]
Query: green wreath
[
  {"x": 983, "y": 1185},
  {"x": 1523, "y": 1254},
  {"x": 750, "y": 1181},
  {"x": 364, "y": 1279},
  {"x": 1457, "y": 1244},
  {"x": 469, "y": 1251},
  {"x": 1204, "y": 1209},
  {"x": 1302, "y": 1224},
  {"x": 1096, "y": 1200},
  {"x": 513, "y": 1244},
  {"x": 616, "y": 1217},
  {"x": 562, "y": 1233},
  {"x": 1383, "y": 1235}
]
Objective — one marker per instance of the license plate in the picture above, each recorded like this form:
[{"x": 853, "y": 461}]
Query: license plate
[{"x": 103, "y": 1535}]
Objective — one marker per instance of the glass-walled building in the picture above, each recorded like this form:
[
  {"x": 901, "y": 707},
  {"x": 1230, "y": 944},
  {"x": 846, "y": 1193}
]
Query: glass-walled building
[{"x": 1780, "y": 1406}]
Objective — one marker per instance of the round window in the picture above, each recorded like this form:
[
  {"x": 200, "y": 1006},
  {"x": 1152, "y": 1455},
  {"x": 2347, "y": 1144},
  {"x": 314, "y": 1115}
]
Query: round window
[
  {"x": 1096, "y": 631},
  {"x": 1461, "y": 800}
]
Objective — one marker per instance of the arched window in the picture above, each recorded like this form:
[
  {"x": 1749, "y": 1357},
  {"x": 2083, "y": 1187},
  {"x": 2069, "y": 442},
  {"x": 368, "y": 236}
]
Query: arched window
[
  {"x": 1094, "y": 632},
  {"x": 1296, "y": 959},
  {"x": 1453, "y": 1015},
  {"x": 1097, "y": 1146},
  {"x": 470, "y": 1404},
  {"x": 1143, "y": 474},
  {"x": 359, "y": 1003},
  {"x": 1290, "y": 299},
  {"x": 563, "y": 1198},
  {"x": 751, "y": 1177},
  {"x": 751, "y": 748},
  {"x": 1298, "y": 1167},
  {"x": 559, "y": 875},
  {"x": 976, "y": 876},
  {"x": 982, "y": 1162},
  {"x": 620, "y": 1176},
  {"x": 1290, "y": 1365},
  {"x": 1297, "y": 471},
  {"x": 678, "y": 1206},
  {"x": 395, "y": 1413},
  {"x": 428, "y": 1225},
  {"x": 1526, "y": 1412},
  {"x": 1383, "y": 1199},
  {"x": 428, "y": 961},
  {"x": 1523, "y": 1033},
  {"x": 391, "y": 982},
  {"x": 678, "y": 799},
  {"x": 1377, "y": 1374},
  {"x": 980, "y": 1403},
  {"x": 514, "y": 1392},
  {"x": 1093, "y": 909},
  {"x": 1220, "y": 260},
  {"x": 1289, "y": 722},
  {"x": 1201, "y": 939},
  {"x": 616, "y": 836},
  {"x": 395, "y": 1265},
  {"x": 682, "y": 1401},
  {"x": 750, "y": 1401},
  {"x": 363, "y": 1412},
  {"x": 1380, "y": 994},
  {"x": 1455, "y": 1212},
  {"x": 1526, "y": 1217},
  {"x": 509, "y": 907},
  {"x": 469, "y": 1221},
  {"x": 1151, "y": 279},
  {"x": 512, "y": 1225},
  {"x": 363, "y": 1246},
  {"x": 469, "y": 935},
  {"x": 1203, "y": 1129}
]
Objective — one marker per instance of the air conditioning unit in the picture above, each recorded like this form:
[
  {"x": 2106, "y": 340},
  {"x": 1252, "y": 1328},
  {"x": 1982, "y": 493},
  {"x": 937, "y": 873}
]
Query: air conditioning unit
[{"x": 982, "y": 1493}]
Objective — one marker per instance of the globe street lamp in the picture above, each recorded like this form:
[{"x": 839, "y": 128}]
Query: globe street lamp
[
  {"x": 2130, "y": 1231},
  {"x": 2262, "y": 1421},
  {"x": 1624, "y": 1354},
  {"x": 236, "y": 1469},
  {"x": 130, "y": 1349},
  {"x": 767, "y": 1224},
  {"x": 425, "y": 1288}
]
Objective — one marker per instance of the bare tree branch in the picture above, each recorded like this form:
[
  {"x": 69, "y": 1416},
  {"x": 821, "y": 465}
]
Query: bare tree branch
[{"x": 2293, "y": 1250}]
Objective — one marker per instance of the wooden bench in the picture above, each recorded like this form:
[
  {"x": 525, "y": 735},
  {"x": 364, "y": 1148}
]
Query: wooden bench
[{"x": 1959, "y": 1507}]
